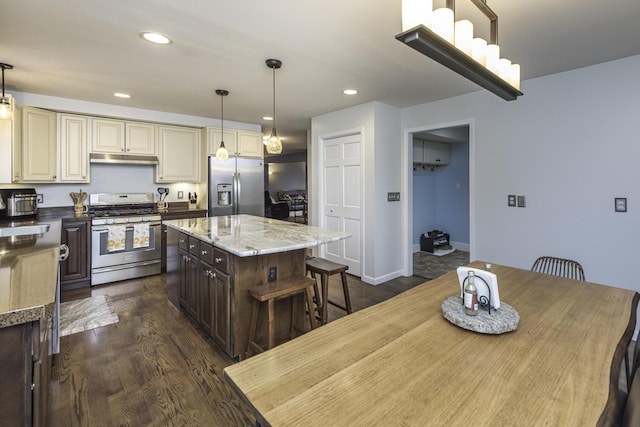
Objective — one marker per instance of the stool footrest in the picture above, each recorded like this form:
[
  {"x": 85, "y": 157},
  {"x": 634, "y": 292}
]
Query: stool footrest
[{"x": 281, "y": 288}]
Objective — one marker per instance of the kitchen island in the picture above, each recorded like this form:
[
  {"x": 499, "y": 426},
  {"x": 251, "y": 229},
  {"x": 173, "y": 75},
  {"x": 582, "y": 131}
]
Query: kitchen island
[
  {"x": 211, "y": 262},
  {"x": 28, "y": 298}
]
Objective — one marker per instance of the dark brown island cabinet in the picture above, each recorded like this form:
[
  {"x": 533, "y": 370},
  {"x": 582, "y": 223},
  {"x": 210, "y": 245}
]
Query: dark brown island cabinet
[
  {"x": 211, "y": 284},
  {"x": 24, "y": 373},
  {"x": 176, "y": 214}
]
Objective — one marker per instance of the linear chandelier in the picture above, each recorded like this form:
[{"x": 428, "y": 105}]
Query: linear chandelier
[{"x": 436, "y": 34}]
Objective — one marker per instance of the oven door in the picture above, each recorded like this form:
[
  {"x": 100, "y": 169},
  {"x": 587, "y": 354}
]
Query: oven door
[{"x": 124, "y": 264}]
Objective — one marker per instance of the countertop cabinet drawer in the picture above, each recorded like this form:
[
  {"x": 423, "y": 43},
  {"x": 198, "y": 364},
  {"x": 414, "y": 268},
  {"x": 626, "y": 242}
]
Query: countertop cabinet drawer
[
  {"x": 221, "y": 260},
  {"x": 183, "y": 241},
  {"x": 206, "y": 253},
  {"x": 194, "y": 246}
]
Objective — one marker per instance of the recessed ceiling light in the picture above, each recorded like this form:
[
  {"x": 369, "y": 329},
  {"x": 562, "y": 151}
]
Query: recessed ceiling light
[
  {"x": 269, "y": 118},
  {"x": 121, "y": 95},
  {"x": 350, "y": 91},
  {"x": 154, "y": 37}
]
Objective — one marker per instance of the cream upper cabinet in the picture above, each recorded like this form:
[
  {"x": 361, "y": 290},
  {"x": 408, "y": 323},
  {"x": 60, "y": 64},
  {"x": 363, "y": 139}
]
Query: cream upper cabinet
[
  {"x": 250, "y": 144},
  {"x": 431, "y": 153},
  {"x": 437, "y": 153},
  {"x": 39, "y": 146},
  {"x": 213, "y": 136},
  {"x": 73, "y": 148},
  {"x": 178, "y": 154},
  {"x": 107, "y": 136},
  {"x": 140, "y": 138},
  {"x": 239, "y": 143},
  {"x": 122, "y": 137}
]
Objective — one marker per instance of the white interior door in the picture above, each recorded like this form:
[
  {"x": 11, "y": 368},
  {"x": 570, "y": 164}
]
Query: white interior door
[{"x": 342, "y": 199}]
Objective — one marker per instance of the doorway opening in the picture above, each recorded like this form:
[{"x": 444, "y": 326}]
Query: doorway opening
[{"x": 437, "y": 210}]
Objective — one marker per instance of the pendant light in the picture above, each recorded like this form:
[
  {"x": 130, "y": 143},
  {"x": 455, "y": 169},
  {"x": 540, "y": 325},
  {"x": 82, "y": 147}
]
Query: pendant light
[
  {"x": 5, "y": 103},
  {"x": 274, "y": 146},
  {"x": 222, "y": 154}
]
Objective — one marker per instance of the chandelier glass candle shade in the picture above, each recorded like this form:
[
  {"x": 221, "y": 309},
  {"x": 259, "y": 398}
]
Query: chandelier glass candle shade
[{"x": 436, "y": 34}]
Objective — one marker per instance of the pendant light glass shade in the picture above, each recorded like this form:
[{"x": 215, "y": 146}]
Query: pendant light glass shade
[
  {"x": 6, "y": 111},
  {"x": 274, "y": 145},
  {"x": 222, "y": 154}
]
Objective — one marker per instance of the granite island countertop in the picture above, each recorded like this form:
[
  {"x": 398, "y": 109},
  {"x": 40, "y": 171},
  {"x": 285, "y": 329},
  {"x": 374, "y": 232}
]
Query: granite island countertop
[
  {"x": 28, "y": 275},
  {"x": 247, "y": 235}
]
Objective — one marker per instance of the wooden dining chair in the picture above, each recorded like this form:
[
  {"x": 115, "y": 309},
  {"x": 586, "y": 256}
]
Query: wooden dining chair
[
  {"x": 631, "y": 414},
  {"x": 559, "y": 267}
]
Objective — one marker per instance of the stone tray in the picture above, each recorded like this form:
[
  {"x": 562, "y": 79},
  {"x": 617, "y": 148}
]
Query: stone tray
[{"x": 498, "y": 322}]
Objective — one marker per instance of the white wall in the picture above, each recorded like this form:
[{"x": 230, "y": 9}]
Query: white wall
[
  {"x": 571, "y": 145},
  {"x": 379, "y": 124},
  {"x": 120, "y": 178}
]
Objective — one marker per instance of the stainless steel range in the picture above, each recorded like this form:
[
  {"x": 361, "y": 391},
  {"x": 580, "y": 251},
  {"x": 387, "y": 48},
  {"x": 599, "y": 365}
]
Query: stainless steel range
[{"x": 125, "y": 236}]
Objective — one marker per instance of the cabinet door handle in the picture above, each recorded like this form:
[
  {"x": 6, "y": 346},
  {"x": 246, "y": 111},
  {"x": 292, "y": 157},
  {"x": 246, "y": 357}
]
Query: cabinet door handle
[
  {"x": 218, "y": 260},
  {"x": 182, "y": 240},
  {"x": 204, "y": 252},
  {"x": 212, "y": 275},
  {"x": 192, "y": 246}
]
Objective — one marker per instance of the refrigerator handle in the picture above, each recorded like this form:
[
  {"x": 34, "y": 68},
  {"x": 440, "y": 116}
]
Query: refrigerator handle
[{"x": 238, "y": 191}]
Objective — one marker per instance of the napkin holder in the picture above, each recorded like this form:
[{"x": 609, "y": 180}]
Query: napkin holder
[{"x": 487, "y": 284}]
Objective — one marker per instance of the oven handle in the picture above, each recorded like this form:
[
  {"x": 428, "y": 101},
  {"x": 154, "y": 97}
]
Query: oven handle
[
  {"x": 64, "y": 252},
  {"x": 128, "y": 228}
]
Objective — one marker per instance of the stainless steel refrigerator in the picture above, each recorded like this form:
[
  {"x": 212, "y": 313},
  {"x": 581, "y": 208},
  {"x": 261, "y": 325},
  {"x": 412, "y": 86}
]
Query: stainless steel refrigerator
[{"x": 236, "y": 186}]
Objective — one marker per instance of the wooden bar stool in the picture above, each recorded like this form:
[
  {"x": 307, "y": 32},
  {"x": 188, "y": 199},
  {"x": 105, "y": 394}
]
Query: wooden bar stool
[
  {"x": 326, "y": 268},
  {"x": 270, "y": 293}
]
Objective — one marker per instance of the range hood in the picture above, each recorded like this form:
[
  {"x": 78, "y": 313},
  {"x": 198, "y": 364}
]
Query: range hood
[{"x": 123, "y": 159}]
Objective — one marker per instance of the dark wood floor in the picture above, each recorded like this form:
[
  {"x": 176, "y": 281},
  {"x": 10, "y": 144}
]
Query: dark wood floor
[{"x": 155, "y": 367}]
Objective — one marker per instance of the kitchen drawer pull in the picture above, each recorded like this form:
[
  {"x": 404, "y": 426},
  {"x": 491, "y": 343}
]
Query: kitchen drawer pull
[
  {"x": 218, "y": 260},
  {"x": 192, "y": 246},
  {"x": 204, "y": 252}
]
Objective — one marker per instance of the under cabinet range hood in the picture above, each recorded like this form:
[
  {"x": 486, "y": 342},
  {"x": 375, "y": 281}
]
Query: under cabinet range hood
[{"x": 123, "y": 159}]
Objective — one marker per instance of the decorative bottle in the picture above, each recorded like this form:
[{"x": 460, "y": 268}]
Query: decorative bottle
[{"x": 470, "y": 296}]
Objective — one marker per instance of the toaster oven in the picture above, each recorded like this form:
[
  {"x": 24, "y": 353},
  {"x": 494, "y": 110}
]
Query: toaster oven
[{"x": 18, "y": 203}]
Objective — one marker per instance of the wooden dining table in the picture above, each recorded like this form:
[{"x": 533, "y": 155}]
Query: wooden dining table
[{"x": 401, "y": 363}]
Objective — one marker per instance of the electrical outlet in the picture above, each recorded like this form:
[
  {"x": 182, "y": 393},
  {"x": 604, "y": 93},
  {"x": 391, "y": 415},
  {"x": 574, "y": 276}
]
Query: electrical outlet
[
  {"x": 521, "y": 203},
  {"x": 180, "y": 194},
  {"x": 40, "y": 198},
  {"x": 511, "y": 200},
  {"x": 273, "y": 274}
]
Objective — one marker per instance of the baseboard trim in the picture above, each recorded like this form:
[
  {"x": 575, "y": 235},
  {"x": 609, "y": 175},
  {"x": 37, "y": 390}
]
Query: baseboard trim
[
  {"x": 466, "y": 247},
  {"x": 381, "y": 279}
]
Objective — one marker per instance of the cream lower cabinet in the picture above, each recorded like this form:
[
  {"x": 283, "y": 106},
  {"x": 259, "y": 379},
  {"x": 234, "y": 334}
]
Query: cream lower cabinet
[
  {"x": 178, "y": 154},
  {"x": 38, "y": 157},
  {"x": 73, "y": 148}
]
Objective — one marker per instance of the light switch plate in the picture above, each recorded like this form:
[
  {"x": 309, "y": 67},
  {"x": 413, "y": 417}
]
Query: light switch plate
[
  {"x": 511, "y": 200},
  {"x": 180, "y": 194}
]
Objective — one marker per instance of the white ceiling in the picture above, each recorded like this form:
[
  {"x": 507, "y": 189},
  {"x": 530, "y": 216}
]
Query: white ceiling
[{"x": 88, "y": 49}]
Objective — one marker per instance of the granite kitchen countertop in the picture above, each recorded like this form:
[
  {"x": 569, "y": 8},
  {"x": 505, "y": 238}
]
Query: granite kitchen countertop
[
  {"x": 247, "y": 235},
  {"x": 28, "y": 275}
]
